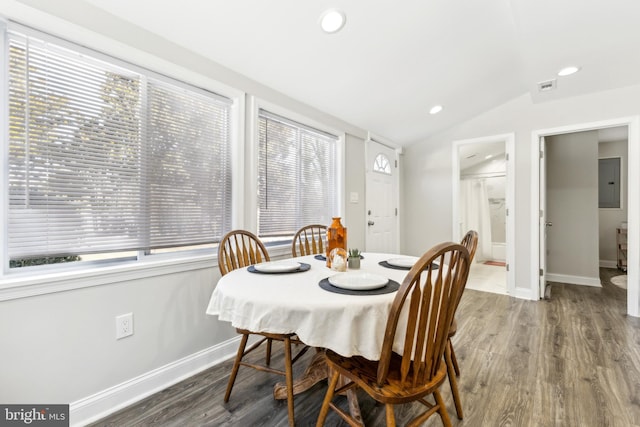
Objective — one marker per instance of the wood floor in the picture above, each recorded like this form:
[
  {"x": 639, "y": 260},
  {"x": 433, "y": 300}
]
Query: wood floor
[{"x": 573, "y": 360}]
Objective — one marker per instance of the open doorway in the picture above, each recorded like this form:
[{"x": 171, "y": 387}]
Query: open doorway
[
  {"x": 539, "y": 212},
  {"x": 483, "y": 191},
  {"x": 585, "y": 203}
]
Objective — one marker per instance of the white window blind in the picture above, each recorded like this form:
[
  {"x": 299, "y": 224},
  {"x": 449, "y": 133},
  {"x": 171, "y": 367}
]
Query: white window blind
[
  {"x": 296, "y": 176},
  {"x": 189, "y": 189},
  {"x": 105, "y": 159}
]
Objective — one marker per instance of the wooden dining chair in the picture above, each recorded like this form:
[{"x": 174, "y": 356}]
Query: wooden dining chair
[
  {"x": 241, "y": 248},
  {"x": 309, "y": 240},
  {"x": 411, "y": 365},
  {"x": 469, "y": 241}
]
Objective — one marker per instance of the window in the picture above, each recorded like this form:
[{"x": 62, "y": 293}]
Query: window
[
  {"x": 105, "y": 158},
  {"x": 297, "y": 176},
  {"x": 381, "y": 164}
]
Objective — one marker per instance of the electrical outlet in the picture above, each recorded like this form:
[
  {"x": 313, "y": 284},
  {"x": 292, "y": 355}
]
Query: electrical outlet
[{"x": 124, "y": 325}]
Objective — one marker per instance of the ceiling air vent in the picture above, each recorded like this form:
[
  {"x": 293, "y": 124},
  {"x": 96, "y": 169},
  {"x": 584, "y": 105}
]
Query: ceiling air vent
[{"x": 547, "y": 85}]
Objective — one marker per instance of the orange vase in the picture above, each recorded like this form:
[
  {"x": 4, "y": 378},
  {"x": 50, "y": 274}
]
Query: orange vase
[{"x": 336, "y": 237}]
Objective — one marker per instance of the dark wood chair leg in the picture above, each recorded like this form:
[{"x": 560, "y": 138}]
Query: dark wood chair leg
[
  {"x": 236, "y": 366},
  {"x": 453, "y": 382},
  {"x": 453, "y": 359},
  {"x": 268, "y": 358}
]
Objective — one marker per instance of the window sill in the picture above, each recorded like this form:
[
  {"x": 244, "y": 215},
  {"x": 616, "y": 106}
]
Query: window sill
[{"x": 23, "y": 286}]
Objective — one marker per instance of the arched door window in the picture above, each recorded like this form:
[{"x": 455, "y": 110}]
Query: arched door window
[{"x": 381, "y": 164}]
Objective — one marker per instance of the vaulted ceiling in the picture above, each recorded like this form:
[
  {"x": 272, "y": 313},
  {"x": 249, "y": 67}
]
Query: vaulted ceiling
[{"x": 394, "y": 60}]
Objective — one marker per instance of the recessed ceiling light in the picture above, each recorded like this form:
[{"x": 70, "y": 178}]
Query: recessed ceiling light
[
  {"x": 567, "y": 71},
  {"x": 488, "y": 156},
  {"x": 435, "y": 109},
  {"x": 332, "y": 21}
]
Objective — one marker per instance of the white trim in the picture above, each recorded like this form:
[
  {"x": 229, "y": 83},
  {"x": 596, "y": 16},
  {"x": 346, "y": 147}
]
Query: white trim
[
  {"x": 250, "y": 219},
  {"x": 384, "y": 141},
  {"x": 633, "y": 203},
  {"x": 534, "y": 237},
  {"x": 341, "y": 165},
  {"x": 509, "y": 144},
  {"x": 103, "y": 403},
  {"x": 633, "y": 219},
  {"x": 574, "y": 280},
  {"x": 23, "y": 286},
  {"x": 238, "y": 167},
  {"x": 4, "y": 136}
]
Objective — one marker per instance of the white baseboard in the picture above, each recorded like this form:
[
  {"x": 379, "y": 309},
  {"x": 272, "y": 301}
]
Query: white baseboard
[
  {"x": 608, "y": 263},
  {"x": 574, "y": 280},
  {"x": 101, "y": 404}
]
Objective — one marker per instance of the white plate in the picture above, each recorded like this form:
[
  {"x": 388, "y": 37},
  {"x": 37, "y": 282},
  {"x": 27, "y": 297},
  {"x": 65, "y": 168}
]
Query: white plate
[
  {"x": 406, "y": 261},
  {"x": 277, "y": 266},
  {"x": 359, "y": 281}
]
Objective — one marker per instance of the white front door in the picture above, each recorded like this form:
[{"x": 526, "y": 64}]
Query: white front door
[{"x": 381, "y": 198}]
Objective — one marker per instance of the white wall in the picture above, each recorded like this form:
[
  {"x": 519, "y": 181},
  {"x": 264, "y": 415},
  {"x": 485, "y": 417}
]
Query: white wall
[
  {"x": 610, "y": 219},
  {"x": 572, "y": 208},
  {"x": 355, "y": 178},
  {"x": 61, "y": 347},
  {"x": 427, "y": 168}
]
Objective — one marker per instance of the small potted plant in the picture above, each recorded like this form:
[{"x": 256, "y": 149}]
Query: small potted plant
[{"x": 354, "y": 258}]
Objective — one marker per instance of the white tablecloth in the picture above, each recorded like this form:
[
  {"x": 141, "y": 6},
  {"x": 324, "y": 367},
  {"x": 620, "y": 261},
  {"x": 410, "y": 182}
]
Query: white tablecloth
[{"x": 295, "y": 303}]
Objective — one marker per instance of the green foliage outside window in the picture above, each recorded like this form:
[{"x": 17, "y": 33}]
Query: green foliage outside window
[{"x": 16, "y": 263}]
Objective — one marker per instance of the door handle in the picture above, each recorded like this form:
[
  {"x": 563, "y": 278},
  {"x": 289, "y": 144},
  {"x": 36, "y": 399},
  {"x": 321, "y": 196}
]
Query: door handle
[
  {"x": 548, "y": 224},
  {"x": 370, "y": 223}
]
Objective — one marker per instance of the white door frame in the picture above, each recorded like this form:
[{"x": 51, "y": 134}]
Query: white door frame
[
  {"x": 633, "y": 212},
  {"x": 509, "y": 143}
]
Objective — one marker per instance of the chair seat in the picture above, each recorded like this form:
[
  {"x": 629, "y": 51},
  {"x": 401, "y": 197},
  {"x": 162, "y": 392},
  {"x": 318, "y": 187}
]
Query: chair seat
[{"x": 364, "y": 373}]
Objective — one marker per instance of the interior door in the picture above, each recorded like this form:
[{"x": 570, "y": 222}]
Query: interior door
[
  {"x": 543, "y": 220},
  {"x": 381, "y": 198}
]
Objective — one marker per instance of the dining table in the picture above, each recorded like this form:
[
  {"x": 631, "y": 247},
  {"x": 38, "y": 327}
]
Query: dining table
[{"x": 346, "y": 312}]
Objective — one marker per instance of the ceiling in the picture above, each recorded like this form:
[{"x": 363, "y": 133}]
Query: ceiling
[{"x": 394, "y": 60}]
